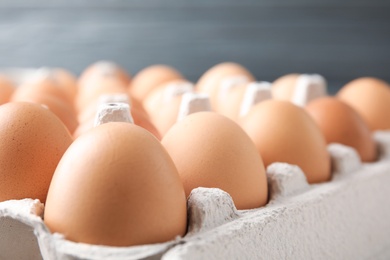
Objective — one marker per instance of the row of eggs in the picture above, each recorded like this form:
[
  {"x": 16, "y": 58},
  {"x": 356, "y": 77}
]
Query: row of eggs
[{"x": 124, "y": 184}]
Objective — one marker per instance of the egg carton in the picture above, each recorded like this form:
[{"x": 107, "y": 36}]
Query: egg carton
[{"x": 345, "y": 218}]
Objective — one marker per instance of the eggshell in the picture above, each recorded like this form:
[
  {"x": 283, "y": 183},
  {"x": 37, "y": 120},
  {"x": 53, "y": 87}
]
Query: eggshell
[
  {"x": 33, "y": 141},
  {"x": 61, "y": 109},
  {"x": 370, "y": 97},
  {"x": 211, "y": 80},
  {"x": 100, "y": 87},
  {"x": 162, "y": 94},
  {"x": 66, "y": 80},
  {"x": 100, "y": 70},
  {"x": 45, "y": 84},
  {"x": 6, "y": 89},
  {"x": 283, "y": 132},
  {"x": 230, "y": 102},
  {"x": 116, "y": 185},
  {"x": 283, "y": 88},
  {"x": 341, "y": 124},
  {"x": 163, "y": 103},
  {"x": 210, "y": 150},
  {"x": 299, "y": 89},
  {"x": 150, "y": 77}
]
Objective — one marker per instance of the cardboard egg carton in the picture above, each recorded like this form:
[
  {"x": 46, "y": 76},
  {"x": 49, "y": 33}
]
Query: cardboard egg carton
[{"x": 345, "y": 218}]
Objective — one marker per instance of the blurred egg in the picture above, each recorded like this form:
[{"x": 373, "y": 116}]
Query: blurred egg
[
  {"x": 117, "y": 186},
  {"x": 104, "y": 86},
  {"x": 235, "y": 101},
  {"x": 283, "y": 88},
  {"x": 6, "y": 89},
  {"x": 339, "y": 123},
  {"x": 300, "y": 89},
  {"x": 151, "y": 77},
  {"x": 33, "y": 141},
  {"x": 283, "y": 132},
  {"x": 163, "y": 103},
  {"x": 370, "y": 97},
  {"x": 211, "y": 81},
  {"x": 61, "y": 109},
  {"x": 67, "y": 80},
  {"x": 100, "y": 70},
  {"x": 42, "y": 82},
  {"x": 210, "y": 150}
]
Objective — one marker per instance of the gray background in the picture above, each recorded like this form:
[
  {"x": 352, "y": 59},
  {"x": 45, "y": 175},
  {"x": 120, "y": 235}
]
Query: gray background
[{"x": 338, "y": 39}]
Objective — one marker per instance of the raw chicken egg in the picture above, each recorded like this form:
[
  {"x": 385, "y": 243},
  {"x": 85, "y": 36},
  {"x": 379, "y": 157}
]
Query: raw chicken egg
[
  {"x": 284, "y": 132},
  {"x": 117, "y": 186},
  {"x": 104, "y": 86},
  {"x": 6, "y": 89},
  {"x": 102, "y": 69},
  {"x": 67, "y": 80},
  {"x": 163, "y": 103},
  {"x": 300, "y": 89},
  {"x": 341, "y": 124},
  {"x": 212, "y": 80},
  {"x": 210, "y": 150},
  {"x": 235, "y": 101},
  {"x": 64, "y": 111},
  {"x": 42, "y": 83},
  {"x": 33, "y": 141},
  {"x": 370, "y": 97},
  {"x": 150, "y": 77}
]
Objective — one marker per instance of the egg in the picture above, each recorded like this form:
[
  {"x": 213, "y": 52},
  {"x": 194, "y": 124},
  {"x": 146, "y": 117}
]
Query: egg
[
  {"x": 66, "y": 80},
  {"x": 100, "y": 70},
  {"x": 284, "y": 132},
  {"x": 6, "y": 89},
  {"x": 370, "y": 97},
  {"x": 339, "y": 123},
  {"x": 116, "y": 186},
  {"x": 42, "y": 83},
  {"x": 283, "y": 88},
  {"x": 61, "y": 109},
  {"x": 211, "y": 81},
  {"x": 150, "y": 77},
  {"x": 103, "y": 86},
  {"x": 300, "y": 89},
  {"x": 163, "y": 103},
  {"x": 210, "y": 150},
  {"x": 33, "y": 141},
  {"x": 234, "y": 101}
]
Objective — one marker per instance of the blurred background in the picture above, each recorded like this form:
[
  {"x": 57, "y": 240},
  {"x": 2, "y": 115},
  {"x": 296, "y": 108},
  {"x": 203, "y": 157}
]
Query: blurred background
[{"x": 340, "y": 39}]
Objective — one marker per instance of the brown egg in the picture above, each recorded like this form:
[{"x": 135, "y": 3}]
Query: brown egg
[
  {"x": 163, "y": 103},
  {"x": 300, "y": 89},
  {"x": 104, "y": 86},
  {"x": 283, "y": 88},
  {"x": 33, "y": 141},
  {"x": 370, "y": 97},
  {"x": 210, "y": 150},
  {"x": 61, "y": 109},
  {"x": 230, "y": 102},
  {"x": 6, "y": 89},
  {"x": 66, "y": 80},
  {"x": 102, "y": 69},
  {"x": 150, "y": 77},
  {"x": 283, "y": 132},
  {"x": 117, "y": 186},
  {"x": 341, "y": 124},
  {"x": 45, "y": 84},
  {"x": 211, "y": 80}
]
